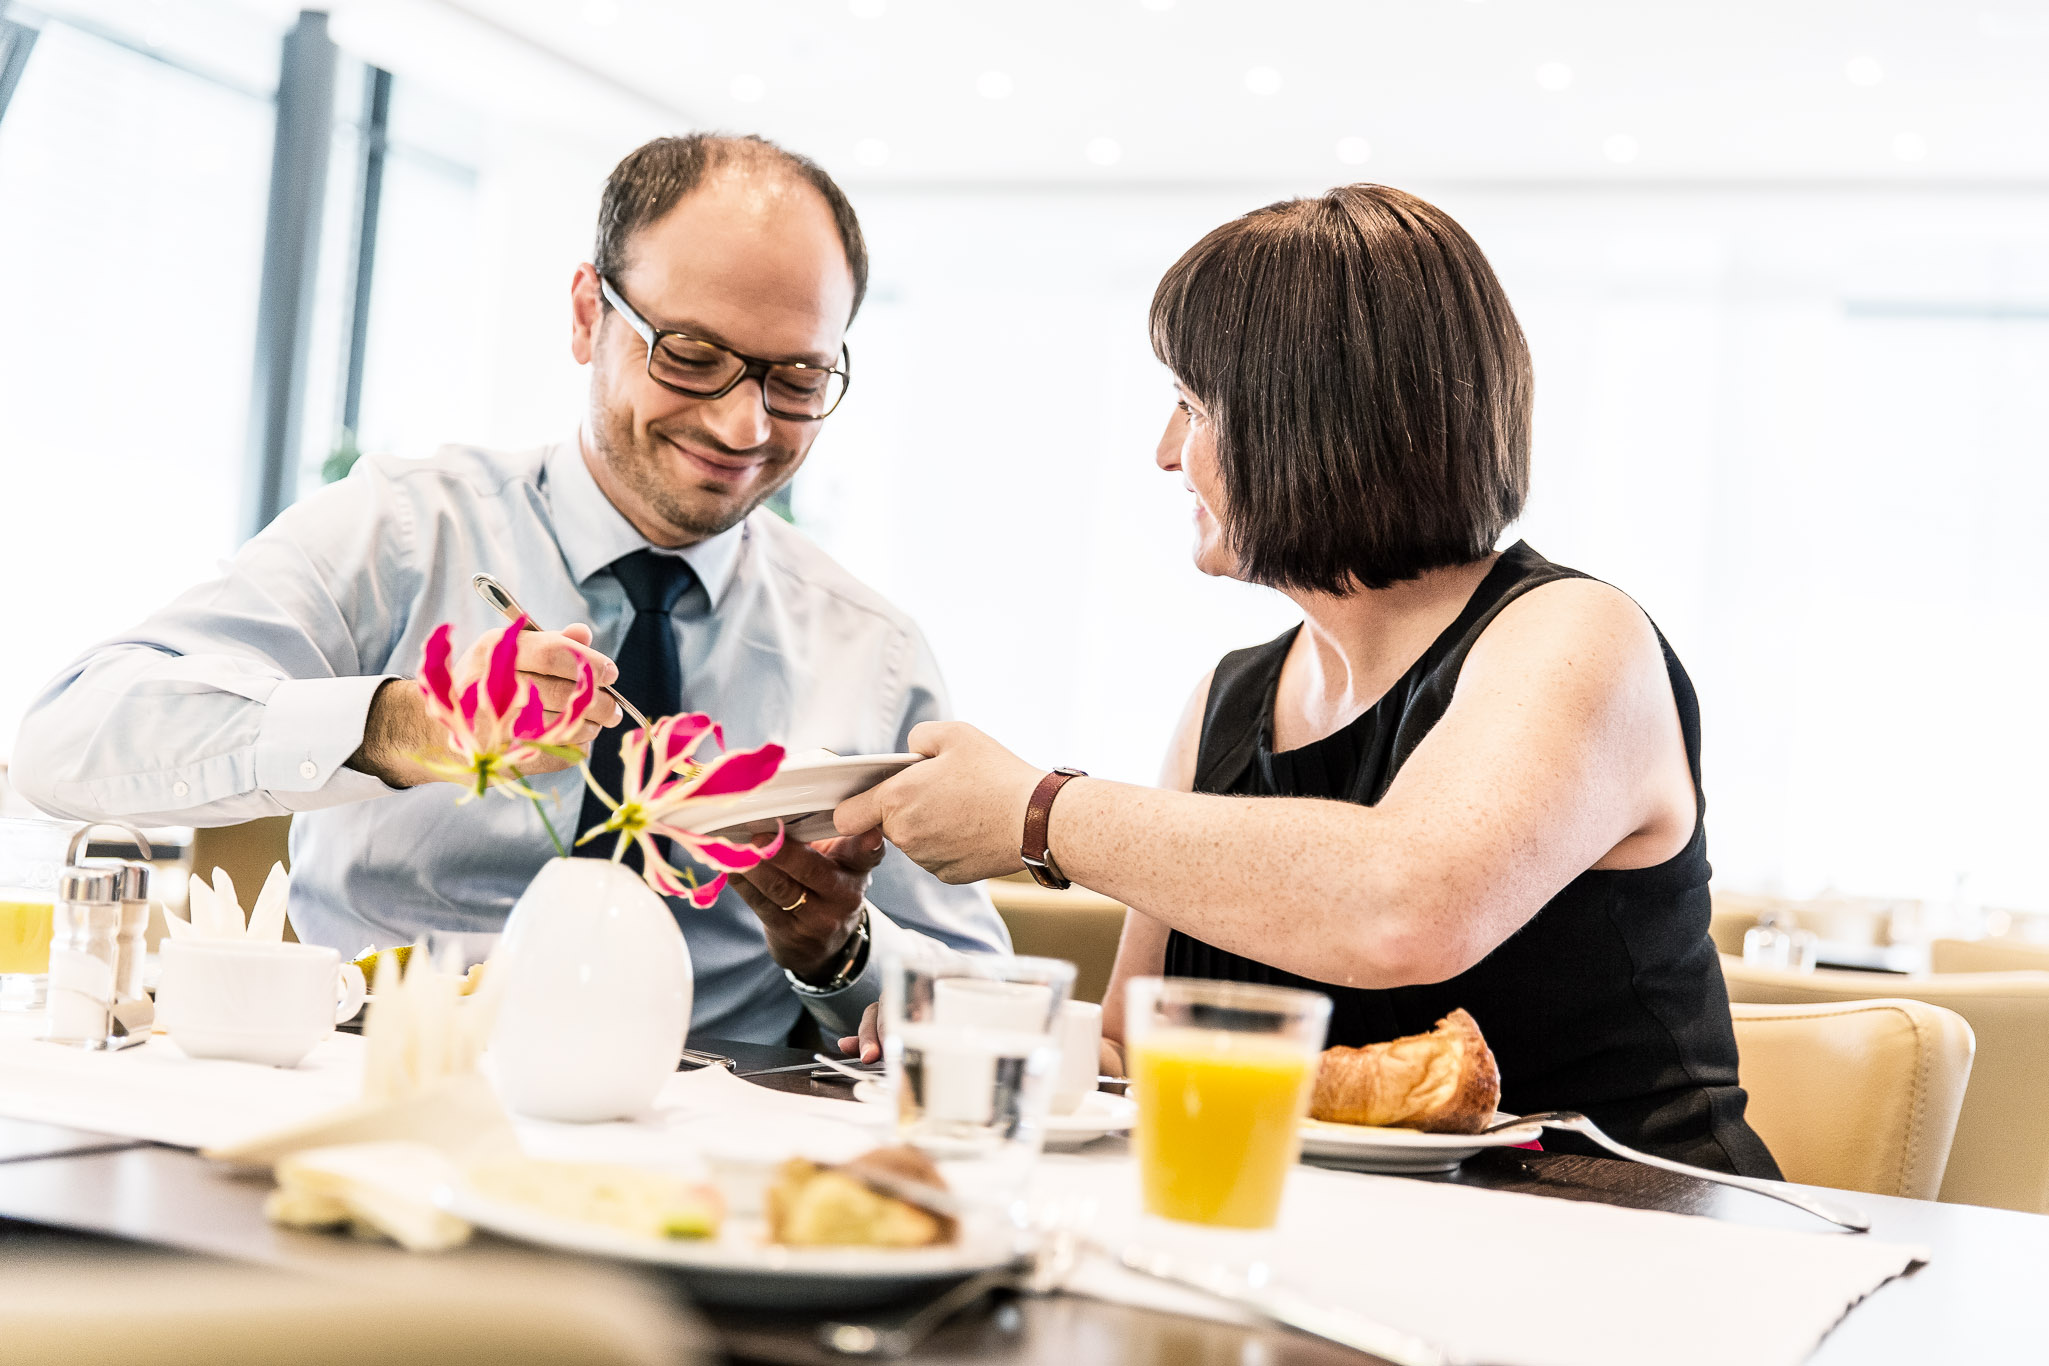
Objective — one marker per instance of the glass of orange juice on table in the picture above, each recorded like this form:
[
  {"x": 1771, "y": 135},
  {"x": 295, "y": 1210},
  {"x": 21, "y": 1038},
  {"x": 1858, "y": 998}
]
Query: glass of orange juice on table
[
  {"x": 1222, "y": 1072},
  {"x": 31, "y": 851}
]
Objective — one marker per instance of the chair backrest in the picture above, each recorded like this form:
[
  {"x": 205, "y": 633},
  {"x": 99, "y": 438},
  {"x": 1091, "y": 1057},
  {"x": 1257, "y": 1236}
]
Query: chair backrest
[
  {"x": 1076, "y": 924},
  {"x": 1987, "y": 955},
  {"x": 1859, "y": 1095},
  {"x": 2001, "y": 1153}
]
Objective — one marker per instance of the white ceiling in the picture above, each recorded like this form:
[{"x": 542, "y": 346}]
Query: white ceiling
[{"x": 1210, "y": 90}]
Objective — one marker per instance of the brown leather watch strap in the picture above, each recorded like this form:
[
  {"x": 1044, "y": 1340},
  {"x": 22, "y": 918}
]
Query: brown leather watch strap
[{"x": 1038, "y": 860}]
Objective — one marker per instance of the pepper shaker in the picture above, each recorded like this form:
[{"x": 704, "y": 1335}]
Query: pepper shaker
[{"x": 84, "y": 953}]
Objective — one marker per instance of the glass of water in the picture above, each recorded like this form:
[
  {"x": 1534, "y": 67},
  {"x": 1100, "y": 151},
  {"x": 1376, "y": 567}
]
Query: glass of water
[{"x": 973, "y": 1051}]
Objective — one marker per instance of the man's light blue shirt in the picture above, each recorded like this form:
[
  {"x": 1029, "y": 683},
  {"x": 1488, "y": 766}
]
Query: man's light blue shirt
[{"x": 245, "y": 696}]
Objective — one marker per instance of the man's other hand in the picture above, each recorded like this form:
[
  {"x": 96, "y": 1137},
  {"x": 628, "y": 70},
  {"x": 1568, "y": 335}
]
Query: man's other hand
[{"x": 398, "y": 730}]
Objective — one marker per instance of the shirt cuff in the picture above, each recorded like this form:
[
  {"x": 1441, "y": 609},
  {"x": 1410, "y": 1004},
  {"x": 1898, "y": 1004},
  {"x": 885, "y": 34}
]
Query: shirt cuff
[
  {"x": 310, "y": 728},
  {"x": 841, "y": 1010}
]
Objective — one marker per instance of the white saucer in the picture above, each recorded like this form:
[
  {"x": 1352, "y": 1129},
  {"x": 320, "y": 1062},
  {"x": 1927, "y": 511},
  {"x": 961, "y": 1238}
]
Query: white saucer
[
  {"x": 1362, "y": 1148},
  {"x": 1099, "y": 1115},
  {"x": 801, "y": 795}
]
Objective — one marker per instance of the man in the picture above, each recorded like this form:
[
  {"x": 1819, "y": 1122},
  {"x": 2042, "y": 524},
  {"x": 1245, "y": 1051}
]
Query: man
[{"x": 725, "y": 274}]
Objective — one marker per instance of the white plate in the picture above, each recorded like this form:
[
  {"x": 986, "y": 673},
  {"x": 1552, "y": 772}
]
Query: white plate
[
  {"x": 801, "y": 795},
  {"x": 740, "y": 1266},
  {"x": 1099, "y": 1115},
  {"x": 1362, "y": 1148}
]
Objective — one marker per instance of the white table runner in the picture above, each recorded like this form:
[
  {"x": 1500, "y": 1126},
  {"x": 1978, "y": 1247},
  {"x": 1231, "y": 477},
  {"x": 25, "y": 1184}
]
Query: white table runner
[
  {"x": 1519, "y": 1280},
  {"x": 1516, "y": 1280}
]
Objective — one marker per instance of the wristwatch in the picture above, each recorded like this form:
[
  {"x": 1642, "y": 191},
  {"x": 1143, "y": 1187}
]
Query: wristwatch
[
  {"x": 851, "y": 965},
  {"x": 1038, "y": 859}
]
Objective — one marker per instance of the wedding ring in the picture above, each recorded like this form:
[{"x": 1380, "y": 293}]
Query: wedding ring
[{"x": 802, "y": 897}]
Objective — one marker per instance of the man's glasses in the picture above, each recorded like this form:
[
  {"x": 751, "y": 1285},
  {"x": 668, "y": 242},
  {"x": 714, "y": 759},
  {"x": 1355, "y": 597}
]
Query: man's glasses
[{"x": 685, "y": 365}]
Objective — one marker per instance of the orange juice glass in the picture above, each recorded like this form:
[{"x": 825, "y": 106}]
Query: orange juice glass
[{"x": 1223, "y": 1072}]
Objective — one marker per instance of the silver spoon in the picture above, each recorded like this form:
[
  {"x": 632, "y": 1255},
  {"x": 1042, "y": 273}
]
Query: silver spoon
[
  {"x": 1571, "y": 1121},
  {"x": 502, "y": 602}
]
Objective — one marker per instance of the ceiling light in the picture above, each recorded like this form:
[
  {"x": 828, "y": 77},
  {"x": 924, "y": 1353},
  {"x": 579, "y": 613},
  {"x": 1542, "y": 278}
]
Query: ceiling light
[
  {"x": 601, "y": 13},
  {"x": 1619, "y": 147},
  {"x": 866, "y": 9},
  {"x": 1864, "y": 70},
  {"x": 1354, "y": 151},
  {"x": 1103, "y": 151},
  {"x": 871, "y": 151},
  {"x": 1263, "y": 80},
  {"x": 747, "y": 88},
  {"x": 1910, "y": 147},
  {"x": 1554, "y": 75},
  {"x": 994, "y": 85}
]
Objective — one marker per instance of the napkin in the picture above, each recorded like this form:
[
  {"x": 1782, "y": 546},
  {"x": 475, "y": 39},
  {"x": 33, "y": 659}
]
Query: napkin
[
  {"x": 216, "y": 913},
  {"x": 386, "y": 1188},
  {"x": 419, "y": 1077}
]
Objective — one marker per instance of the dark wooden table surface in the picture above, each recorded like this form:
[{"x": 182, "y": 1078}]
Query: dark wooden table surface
[{"x": 1979, "y": 1297}]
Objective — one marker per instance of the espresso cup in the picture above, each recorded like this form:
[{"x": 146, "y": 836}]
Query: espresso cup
[
  {"x": 265, "y": 1003},
  {"x": 1080, "y": 1029}
]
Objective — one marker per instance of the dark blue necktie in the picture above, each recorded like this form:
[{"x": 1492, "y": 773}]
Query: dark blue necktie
[{"x": 650, "y": 674}]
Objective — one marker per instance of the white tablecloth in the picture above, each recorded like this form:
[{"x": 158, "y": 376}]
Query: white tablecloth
[{"x": 1519, "y": 1280}]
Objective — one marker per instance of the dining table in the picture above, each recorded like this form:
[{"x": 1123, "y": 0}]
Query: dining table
[{"x": 1976, "y": 1298}]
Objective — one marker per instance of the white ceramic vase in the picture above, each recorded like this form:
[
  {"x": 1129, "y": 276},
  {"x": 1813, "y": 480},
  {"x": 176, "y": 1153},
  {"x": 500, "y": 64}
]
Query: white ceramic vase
[{"x": 597, "y": 995}]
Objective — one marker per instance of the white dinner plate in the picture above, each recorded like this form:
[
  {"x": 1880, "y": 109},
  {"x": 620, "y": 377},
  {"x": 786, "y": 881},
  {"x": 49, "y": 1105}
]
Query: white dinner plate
[
  {"x": 1099, "y": 1115},
  {"x": 801, "y": 795},
  {"x": 1362, "y": 1148},
  {"x": 740, "y": 1266}
]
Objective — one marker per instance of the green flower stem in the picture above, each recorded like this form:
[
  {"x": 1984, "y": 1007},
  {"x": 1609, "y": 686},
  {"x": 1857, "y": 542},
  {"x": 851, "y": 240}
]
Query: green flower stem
[{"x": 542, "y": 812}]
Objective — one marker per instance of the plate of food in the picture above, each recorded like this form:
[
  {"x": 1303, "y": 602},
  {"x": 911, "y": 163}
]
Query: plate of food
[
  {"x": 1414, "y": 1104},
  {"x": 822, "y": 1238},
  {"x": 802, "y": 795}
]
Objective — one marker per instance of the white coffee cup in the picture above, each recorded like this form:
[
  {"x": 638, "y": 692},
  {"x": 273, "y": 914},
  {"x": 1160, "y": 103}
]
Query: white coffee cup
[
  {"x": 1080, "y": 1028},
  {"x": 267, "y": 1003},
  {"x": 980, "y": 1003}
]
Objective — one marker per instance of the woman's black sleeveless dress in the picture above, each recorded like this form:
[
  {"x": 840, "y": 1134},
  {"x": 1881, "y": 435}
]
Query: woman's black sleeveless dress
[{"x": 1609, "y": 1001}]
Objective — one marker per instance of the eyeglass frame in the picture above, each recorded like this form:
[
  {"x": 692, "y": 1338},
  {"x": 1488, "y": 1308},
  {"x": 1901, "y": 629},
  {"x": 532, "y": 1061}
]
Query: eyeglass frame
[{"x": 751, "y": 367}]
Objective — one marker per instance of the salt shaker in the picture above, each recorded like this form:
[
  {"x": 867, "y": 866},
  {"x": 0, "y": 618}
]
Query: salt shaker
[{"x": 84, "y": 955}]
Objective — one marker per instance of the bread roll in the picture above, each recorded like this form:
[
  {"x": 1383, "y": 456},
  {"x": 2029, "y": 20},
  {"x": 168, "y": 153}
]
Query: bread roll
[{"x": 1443, "y": 1082}]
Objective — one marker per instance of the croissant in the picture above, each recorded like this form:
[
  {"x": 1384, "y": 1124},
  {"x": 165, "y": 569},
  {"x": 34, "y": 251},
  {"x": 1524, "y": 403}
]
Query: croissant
[{"x": 1442, "y": 1082}]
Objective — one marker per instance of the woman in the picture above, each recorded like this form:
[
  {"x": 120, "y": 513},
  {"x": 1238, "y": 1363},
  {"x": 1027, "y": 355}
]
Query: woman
[{"x": 1468, "y": 778}]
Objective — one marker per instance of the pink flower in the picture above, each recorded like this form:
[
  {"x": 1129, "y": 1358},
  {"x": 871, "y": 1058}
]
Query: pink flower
[
  {"x": 496, "y": 725},
  {"x": 664, "y": 783}
]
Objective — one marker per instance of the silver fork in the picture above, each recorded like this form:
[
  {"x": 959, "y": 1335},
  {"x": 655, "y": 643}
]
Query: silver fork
[{"x": 1571, "y": 1121}]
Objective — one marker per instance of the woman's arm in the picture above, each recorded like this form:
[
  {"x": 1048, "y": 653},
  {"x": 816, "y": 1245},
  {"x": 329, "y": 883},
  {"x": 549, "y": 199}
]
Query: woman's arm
[
  {"x": 1142, "y": 948},
  {"x": 1560, "y": 751}
]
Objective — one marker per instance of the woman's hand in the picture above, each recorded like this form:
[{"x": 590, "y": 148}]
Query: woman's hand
[{"x": 960, "y": 814}]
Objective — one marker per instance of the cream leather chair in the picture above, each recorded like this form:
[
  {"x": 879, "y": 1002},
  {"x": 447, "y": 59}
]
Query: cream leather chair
[
  {"x": 1859, "y": 1095},
  {"x": 1076, "y": 924},
  {"x": 2001, "y": 1153},
  {"x": 1987, "y": 955}
]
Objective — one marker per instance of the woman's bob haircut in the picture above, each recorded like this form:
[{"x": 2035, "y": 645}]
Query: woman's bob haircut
[{"x": 1367, "y": 383}]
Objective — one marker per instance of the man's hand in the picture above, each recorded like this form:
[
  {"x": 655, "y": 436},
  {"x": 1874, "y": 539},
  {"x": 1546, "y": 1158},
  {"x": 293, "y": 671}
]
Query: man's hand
[
  {"x": 868, "y": 1043},
  {"x": 398, "y": 729},
  {"x": 960, "y": 814},
  {"x": 809, "y": 900}
]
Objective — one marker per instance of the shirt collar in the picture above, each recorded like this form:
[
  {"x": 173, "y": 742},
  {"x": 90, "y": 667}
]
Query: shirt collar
[{"x": 593, "y": 533}]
